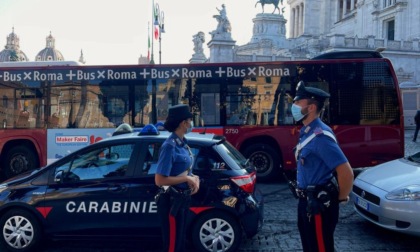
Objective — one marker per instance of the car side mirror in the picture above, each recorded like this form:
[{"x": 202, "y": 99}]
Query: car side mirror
[
  {"x": 59, "y": 176},
  {"x": 112, "y": 156}
]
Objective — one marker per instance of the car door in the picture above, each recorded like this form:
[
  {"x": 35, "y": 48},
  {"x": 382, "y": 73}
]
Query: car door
[
  {"x": 143, "y": 188},
  {"x": 89, "y": 192}
]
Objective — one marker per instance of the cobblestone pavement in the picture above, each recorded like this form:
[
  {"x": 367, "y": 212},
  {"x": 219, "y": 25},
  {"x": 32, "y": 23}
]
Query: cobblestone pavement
[
  {"x": 280, "y": 232},
  {"x": 353, "y": 233}
]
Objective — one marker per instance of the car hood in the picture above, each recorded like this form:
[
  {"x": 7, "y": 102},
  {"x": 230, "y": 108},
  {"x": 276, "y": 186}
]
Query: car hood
[
  {"x": 21, "y": 177},
  {"x": 392, "y": 175}
]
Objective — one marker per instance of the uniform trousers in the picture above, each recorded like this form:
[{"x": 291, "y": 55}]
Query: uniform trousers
[
  {"x": 173, "y": 226},
  {"x": 313, "y": 235}
]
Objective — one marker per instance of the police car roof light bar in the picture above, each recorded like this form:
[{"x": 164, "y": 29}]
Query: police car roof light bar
[{"x": 149, "y": 130}]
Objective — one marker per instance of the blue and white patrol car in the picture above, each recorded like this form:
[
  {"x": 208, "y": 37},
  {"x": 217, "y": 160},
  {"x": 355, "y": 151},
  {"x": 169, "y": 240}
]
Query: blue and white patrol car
[{"x": 107, "y": 190}]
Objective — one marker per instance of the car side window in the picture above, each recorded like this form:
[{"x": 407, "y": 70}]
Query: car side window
[
  {"x": 204, "y": 160},
  {"x": 104, "y": 162},
  {"x": 151, "y": 158}
]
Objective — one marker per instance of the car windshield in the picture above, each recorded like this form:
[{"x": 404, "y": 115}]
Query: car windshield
[{"x": 233, "y": 153}]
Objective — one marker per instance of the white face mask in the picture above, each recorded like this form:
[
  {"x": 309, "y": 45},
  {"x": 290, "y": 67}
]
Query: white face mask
[{"x": 189, "y": 129}]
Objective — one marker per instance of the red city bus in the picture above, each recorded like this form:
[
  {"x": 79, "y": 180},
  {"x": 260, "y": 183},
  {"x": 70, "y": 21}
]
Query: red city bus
[{"x": 50, "y": 110}]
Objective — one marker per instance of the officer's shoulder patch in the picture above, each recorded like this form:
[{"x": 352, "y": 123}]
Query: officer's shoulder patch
[{"x": 318, "y": 131}]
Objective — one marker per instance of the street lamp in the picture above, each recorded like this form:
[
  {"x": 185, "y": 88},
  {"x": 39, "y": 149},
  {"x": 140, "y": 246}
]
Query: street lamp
[{"x": 160, "y": 22}]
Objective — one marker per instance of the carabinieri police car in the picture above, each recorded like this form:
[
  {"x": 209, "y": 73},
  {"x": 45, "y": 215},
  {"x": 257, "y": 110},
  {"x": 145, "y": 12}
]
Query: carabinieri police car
[{"x": 107, "y": 190}]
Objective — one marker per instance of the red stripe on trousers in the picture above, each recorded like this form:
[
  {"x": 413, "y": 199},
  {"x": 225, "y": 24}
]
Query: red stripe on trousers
[
  {"x": 318, "y": 231},
  {"x": 172, "y": 233}
]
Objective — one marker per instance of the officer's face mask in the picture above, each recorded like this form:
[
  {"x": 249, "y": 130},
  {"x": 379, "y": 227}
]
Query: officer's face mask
[
  {"x": 297, "y": 112},
  {"x": 190, "y": 128}
]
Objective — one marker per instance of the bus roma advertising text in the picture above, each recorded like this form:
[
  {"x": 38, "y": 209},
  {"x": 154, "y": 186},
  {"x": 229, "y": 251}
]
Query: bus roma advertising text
[{"x": 50, "y": 111}]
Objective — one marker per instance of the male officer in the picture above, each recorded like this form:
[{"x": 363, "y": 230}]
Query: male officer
[{"x": 324, "y": 176}]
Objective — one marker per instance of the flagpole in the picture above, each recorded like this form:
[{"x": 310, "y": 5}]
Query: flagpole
[{"x": 152, "y": 61}]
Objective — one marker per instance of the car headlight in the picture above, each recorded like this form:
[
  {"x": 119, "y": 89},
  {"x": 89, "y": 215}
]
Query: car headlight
[{"x": 407, "y": 193}]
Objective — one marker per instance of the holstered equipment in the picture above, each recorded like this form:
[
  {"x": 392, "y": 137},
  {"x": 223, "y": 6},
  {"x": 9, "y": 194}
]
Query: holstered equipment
[
  {"x": 320, "y": 196},
  {"x": 179, "y": 199}
]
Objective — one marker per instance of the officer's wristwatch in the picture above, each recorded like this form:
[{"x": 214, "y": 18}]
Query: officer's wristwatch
[{"x": 344, "y": 201}]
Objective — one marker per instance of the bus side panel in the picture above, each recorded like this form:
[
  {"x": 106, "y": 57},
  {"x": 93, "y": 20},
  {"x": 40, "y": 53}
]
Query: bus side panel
[
  {"x": 36, "y": 138},
  {"x": 285, "y": 138}
]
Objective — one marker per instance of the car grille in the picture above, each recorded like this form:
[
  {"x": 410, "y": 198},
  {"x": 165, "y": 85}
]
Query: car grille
[{"x": 367, "y": 195}]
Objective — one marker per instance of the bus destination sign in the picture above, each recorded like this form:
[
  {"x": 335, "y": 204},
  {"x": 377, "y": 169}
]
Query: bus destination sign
[{"x": 91, "y": 74}]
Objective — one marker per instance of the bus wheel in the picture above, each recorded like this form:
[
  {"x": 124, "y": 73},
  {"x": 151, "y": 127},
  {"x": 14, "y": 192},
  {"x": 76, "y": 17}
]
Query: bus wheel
[
  {"x": 265, "y": 159},
  {"x": 18, "y": 160}
]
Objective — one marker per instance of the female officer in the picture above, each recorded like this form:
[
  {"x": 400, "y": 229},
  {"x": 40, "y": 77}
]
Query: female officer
[{"x": 175, "y": 178}]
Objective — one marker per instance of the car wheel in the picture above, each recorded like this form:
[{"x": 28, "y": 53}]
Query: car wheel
[
  {"x": 216, "y": 231},
  {"x": 265, "y": 159},
  {"x": 18, "y": 160},
  {"x": 21, "y": 232}
]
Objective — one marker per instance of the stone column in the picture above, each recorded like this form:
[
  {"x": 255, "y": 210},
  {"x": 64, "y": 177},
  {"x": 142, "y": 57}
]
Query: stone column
[
  {"x": 297, "y": 22},
  {"x": 337, "y": 7},
  {"x": 292, "y": 27},
  {"x": 301, "y": 19}
]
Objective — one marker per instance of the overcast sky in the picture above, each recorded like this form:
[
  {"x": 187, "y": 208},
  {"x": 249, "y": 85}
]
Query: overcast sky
[{"x": 116, "y": 32}]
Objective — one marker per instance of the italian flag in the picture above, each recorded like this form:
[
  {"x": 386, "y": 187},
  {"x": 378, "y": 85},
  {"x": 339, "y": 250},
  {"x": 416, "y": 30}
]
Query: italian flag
[{"x": 156, "y": 31}]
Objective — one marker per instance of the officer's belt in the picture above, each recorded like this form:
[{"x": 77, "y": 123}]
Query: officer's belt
[
  {"x": 180, "y": 191},
  {"x": 330, "y": 187},
  {"x": 184, "y": 173}
]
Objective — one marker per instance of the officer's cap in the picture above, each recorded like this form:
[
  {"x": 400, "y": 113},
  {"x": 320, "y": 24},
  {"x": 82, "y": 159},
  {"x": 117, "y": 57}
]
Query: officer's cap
[
  {"x": 181, "y": 112},
  {"x": 303, "y": 92}
]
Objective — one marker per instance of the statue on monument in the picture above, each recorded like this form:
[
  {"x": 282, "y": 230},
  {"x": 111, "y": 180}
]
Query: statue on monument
[
  {"x": 198, "y": 40},
  {"x": 223, "y": 25},
  {"x": 274, "y": 2}
]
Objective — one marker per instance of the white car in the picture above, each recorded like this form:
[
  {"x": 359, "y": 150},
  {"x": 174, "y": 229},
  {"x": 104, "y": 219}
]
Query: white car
[{"x": 389, "y": 195}]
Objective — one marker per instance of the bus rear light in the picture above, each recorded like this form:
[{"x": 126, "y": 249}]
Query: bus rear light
[{"x": 246, "y": 182}]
